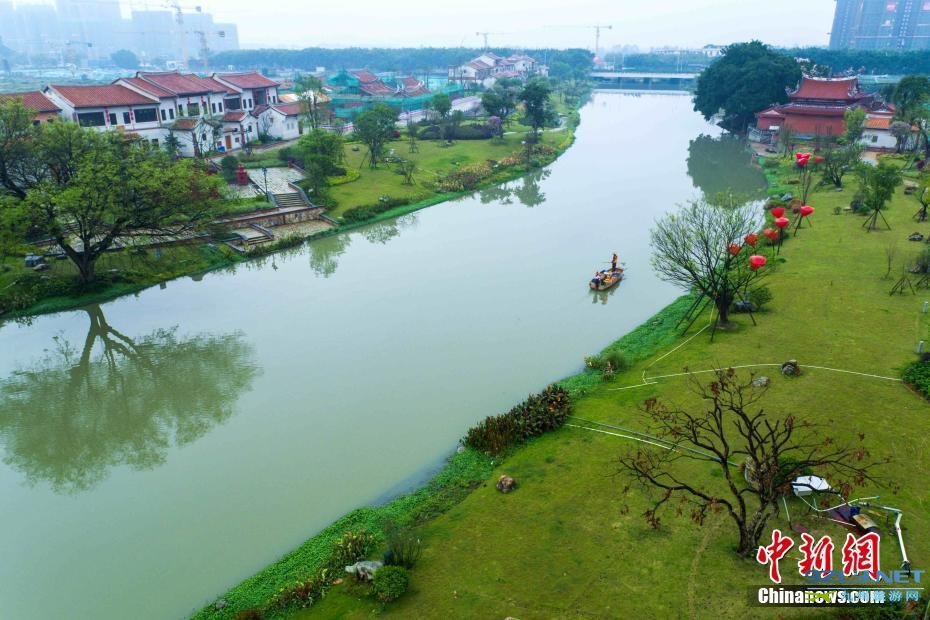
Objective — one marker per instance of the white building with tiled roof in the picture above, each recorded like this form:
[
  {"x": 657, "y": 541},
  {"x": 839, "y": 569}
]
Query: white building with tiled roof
[
  {"x": 222, "y": 112},
  {"x": 488, "y": 67}
]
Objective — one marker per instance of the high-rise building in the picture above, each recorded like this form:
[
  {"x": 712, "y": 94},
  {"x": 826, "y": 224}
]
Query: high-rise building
[{"x": 881, "y": 24}]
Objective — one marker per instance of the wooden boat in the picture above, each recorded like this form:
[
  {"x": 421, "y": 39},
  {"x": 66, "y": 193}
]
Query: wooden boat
[{"x": 611, "y": 278}]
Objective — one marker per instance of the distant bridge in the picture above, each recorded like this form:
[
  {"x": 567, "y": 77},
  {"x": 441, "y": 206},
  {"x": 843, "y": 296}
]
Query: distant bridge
[{"x": 644, "y": 79}]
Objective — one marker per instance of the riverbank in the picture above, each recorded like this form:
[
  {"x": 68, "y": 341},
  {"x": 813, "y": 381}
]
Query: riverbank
[
  {"x": 507, "y": 555},
  {"x": 25, "y": 293},
  {"x": 465, "y": 471}
]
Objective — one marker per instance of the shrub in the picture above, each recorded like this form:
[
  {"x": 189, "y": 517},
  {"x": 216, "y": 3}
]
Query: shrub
[
  {"x": 538, "y": 414},
  {"x": 229, "y": 165},
  {"x": 366, "y": 212},
  {"x": 759, "y": 297},
  {"x": 390, "y": 583},
  {"x": 917, "y": 375},
  {"x": 494, "y": 435},
  {"x": 252, "y": 613},
  {"x": 616, "y": 359},
  {"x": 543, "y": 412},
  {"x": 923, "y": 262},
  {"x": 286, "y": 154},
  {"x": 466, "y": 177},
  {"x": 302, "y": 593},
  {"x": 403, "y": 544},
  {"x": 857, "y": 204},
  {"x": 352, "y": 547}
]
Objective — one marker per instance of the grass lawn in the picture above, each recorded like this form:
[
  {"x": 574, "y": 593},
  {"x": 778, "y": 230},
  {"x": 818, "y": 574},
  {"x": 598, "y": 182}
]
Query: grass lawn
[
  {"x": 570, "y": 543},
  {"x": 433, "y": 160},
  {"x": 133, "y": 271}
]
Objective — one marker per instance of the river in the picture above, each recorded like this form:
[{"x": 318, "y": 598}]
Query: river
[{"x": 158, "y": 448}]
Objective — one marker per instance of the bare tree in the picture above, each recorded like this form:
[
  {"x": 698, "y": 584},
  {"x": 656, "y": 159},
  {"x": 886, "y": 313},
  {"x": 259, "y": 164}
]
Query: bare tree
[
  {"x": 310, "y": 96},
  {"x": 692, "y": 248},
  {"x": 890, "y": 251},
  {"x": 757, "y": 454}
]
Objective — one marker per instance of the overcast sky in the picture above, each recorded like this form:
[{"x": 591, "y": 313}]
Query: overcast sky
[{"x": 529, "y": 23}]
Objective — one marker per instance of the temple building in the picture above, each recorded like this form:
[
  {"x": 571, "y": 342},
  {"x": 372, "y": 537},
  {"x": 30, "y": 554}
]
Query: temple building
[{"x": 818, "y": 105}]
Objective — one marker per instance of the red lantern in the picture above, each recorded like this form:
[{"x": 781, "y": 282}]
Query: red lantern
[
  {"x": 733, "y": 249},
  {"x": 751, "y": 239},
  {"x": 778, "y": 212},
  {"x": 757, "y": 262},
  {"x": 818, "y": 159},
  {"x": 771, "y": 234},
  {"x": 782, "y": 222},
  {"x": 806, "y": 210}
]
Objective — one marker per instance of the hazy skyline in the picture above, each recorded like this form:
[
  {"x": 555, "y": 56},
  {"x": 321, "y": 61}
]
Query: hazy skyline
[{"x": 521, "y": 23}]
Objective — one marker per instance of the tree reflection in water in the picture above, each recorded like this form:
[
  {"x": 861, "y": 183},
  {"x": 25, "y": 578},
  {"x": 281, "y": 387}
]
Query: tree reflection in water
[
  {"x": 527, "y": 191},
  {"x": 382, "y": 232},
  {"x": 724, "y": 164},
  {"x": 75, "y": 415}
]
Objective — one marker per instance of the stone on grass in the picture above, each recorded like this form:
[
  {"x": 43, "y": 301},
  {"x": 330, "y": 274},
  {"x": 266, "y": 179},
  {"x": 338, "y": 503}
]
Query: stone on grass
[
  {"x": 915, "y": 237},
  {"x": 791, "y": 368},
  {"x": 365, "y": 569},
  {"x": 506, "y": 484},
  {"x": 220, "y": 604},
  {"x": 760, "y": 382}
]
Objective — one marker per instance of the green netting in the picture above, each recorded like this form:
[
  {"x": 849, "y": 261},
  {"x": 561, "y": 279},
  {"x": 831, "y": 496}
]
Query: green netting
[{"x": 346, "y": 106}]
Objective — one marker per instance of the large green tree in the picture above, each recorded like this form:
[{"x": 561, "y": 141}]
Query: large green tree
[
  {"x": 321, "y": 152},
  {"x": 442, "y": 104},
  {"x": 374, "y": 128},
  {"x": 103, "y": 190},
  {"x": 19, "y": 165},
  {"x": 537, "y": 107},
  {"x": 747, "y": 79},
  {"x": 125, "y": 59},
  {"x": 911, "y": 96}
]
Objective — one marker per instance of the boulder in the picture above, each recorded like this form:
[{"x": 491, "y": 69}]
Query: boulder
[
  {"x": 506, "y": 484},
  {"x": 220, "y": 604},
  {"x": 915, "y": 237},
  {"x": 365, "y": 569},
  {"x": 760, "y": 382},
  {"x": 791, "y": 368}
]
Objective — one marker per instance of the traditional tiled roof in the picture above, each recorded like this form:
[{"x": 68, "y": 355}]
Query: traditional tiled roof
[
  {"x": 101, "y": 96},
  {"x": 365, "y": 76},
  {"x": 773, "y": 112},
  {"x": 185, "y": 124},
  {"x": 233, "y": 116},
  {"x": 33, "y": 99},
  {"x": 220, "y": 87},
  {"x": 257, "y": 110},
  {"x": 878, "y": 122},
  {"x": 412, "y": 86},
  {"x": 287, "y": 109},
  {"x": 479, "y": 65},
  {"x": 182, "y": 83},
  {"x": 148, "y": 87},
  {"x": 377, "y": 88},
  {"x": 824, "y": 88},
  {"x": 246, "y": 80}
]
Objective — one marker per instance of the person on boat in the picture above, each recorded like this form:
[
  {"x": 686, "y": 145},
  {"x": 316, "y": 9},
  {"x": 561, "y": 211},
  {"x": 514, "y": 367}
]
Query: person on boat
[
  {"x": 613, "y": 262},
  {"x": 598, "y": 278}
]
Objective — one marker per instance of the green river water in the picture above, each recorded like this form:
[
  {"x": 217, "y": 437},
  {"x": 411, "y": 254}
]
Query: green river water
[{"x": 156, "y": 449}]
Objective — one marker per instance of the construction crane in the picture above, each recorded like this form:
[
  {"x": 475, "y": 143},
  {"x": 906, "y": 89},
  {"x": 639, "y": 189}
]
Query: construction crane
[
  {"x": 205, "y": 49},
  {"x": 485, "y": 35},
  {"x": 69, "y": 59},
  {"x": 179, "y": 19},
  {"x": 597, "y": 35}
]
